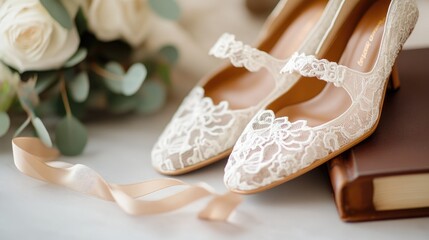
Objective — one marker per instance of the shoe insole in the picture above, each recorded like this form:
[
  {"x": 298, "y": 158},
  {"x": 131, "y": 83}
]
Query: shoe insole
[
  {"x": 243, "y": 89},
  {"x": 360, "y": 54}
]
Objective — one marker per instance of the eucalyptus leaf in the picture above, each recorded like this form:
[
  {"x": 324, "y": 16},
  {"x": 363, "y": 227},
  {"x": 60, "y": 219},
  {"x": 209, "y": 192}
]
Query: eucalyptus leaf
[
  {"x": 58, "y": 12},
  {"x": 153, "y": 96},
  {"x": 77, "y": 58},
  {"x": 41, "y": 131},
  {"x": 168, "y": 9},
  {"x": 71, "y": 136},
  {"x": 134, "y": 79},
  {"x": 170, "y": 53},
  {"x": 115, "y": 68},
  {"x": 79, "y": 87},
  {"x": 114, "y": 85},
  {"x": 4, "y": 123}
]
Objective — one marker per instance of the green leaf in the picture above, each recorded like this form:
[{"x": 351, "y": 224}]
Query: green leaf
[
  {"x": 115, "y": 68},
  {"x": 41, "y": 131},
  {"x": 58, "y": 12},
  {"x": 168, "y": 9},
  {"x": 4, "y": 123},
  {"x": 170, "y": 53},
  {"x": 152, "y": 97},
  {"x": 79, "y": 87},
  {"x": 71, "y": 136},
  {"x": 77, "y": 58},
  {"x": 114, "y": 85},
  {"x": 134, "y": 79}
]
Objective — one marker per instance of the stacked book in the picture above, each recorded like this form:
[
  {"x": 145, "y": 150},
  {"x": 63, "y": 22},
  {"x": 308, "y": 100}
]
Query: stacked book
[{"x": 387, "y": 175}]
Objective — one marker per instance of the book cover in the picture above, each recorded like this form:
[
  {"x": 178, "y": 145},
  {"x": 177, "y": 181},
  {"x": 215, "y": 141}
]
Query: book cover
[{"x": 387, "y": 175}]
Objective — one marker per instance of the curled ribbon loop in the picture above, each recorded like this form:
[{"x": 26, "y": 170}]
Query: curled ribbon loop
[{"x": 34, "y": 159}]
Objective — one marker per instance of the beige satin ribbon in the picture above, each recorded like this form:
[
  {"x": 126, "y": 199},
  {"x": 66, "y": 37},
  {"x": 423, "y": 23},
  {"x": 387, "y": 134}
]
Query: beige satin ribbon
[{"x": 34, "y": 159}]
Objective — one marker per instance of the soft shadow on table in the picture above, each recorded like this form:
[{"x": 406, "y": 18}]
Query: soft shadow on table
[{"x": 302, "y": 190}]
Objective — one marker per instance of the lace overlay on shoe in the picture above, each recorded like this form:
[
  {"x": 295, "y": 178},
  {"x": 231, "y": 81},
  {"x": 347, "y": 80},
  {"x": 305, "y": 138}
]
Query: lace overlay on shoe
[
  {"x": 271, "y": 148},
  {"x": 242, "y": 55},
  {"x": 310, "y": 66},
  {"x": 199, "y": 130}
]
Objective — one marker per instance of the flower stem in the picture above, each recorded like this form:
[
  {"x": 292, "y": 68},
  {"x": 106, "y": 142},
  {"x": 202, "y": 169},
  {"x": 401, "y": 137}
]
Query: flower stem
[
  {"x": 63, "y": 91},
  {"x": 104, "y": 73},
  {"x": 23, "y": 126}
]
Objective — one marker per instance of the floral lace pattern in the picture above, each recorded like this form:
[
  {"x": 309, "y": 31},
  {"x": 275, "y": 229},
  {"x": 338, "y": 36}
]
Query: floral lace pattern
[
  {"x": 199, "y": 130},
  {"x": 188, "y": 139},
  {"x": 239, "y": 53},
  {"x": 242, "y": 55},
  {"x": 270, "y": 149},
  {"x": 310, "y": 66},
  {"x": 273, "y": 135}
]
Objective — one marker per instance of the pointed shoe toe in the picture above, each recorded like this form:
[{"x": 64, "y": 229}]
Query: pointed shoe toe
[
  {"x": 212, "y": 117},
  {"x": 286, "y": 141},
  {"x": 269, "y": 150},
  {"x": 200, "y": 133}
]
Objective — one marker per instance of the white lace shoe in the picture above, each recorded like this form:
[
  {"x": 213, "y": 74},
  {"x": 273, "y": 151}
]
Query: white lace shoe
[
  {"x": 212, "y": 117},
  {"x": 284, "y": 142}
]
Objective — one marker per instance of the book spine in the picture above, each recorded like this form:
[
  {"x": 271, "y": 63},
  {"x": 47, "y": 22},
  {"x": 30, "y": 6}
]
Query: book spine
[
  {"x": 353, "y": 194},
  {"x": 339, "y": 178}
]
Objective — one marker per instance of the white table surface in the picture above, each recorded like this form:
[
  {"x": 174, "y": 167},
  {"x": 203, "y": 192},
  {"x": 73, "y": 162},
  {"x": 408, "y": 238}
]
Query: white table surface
[{"x": 119, "y": 149}]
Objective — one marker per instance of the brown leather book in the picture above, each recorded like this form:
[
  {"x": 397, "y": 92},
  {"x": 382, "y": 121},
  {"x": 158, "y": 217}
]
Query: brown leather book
[{"x": 387, "y": 175}]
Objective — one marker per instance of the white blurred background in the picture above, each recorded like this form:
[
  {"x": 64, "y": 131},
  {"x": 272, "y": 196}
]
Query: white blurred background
[{"x": 202, "y": 22}]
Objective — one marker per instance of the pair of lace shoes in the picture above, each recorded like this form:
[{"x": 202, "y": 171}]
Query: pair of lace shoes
[{"x": 314, "y": 87}]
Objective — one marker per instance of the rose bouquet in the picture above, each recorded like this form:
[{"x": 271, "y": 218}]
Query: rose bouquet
[{"x": 74, "y": 58}]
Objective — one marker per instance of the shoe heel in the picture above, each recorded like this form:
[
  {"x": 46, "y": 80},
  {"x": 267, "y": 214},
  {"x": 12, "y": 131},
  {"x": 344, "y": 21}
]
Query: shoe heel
[{"x": 394, "y": 82}]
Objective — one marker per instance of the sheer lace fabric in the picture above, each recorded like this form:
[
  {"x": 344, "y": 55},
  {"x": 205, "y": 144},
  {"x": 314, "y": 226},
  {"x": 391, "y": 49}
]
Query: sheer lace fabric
[
  {"x": 242, "y": 55},
  {"x": 200, "y": 129},
  {"x": 185, "y": 143},
  {"x": 270, "y": 149}
]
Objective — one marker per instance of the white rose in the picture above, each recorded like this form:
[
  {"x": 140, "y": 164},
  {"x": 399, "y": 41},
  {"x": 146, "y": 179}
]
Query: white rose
[
  {"x": 30, "y": 39},
  {"x": 128, "y": 20}
]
